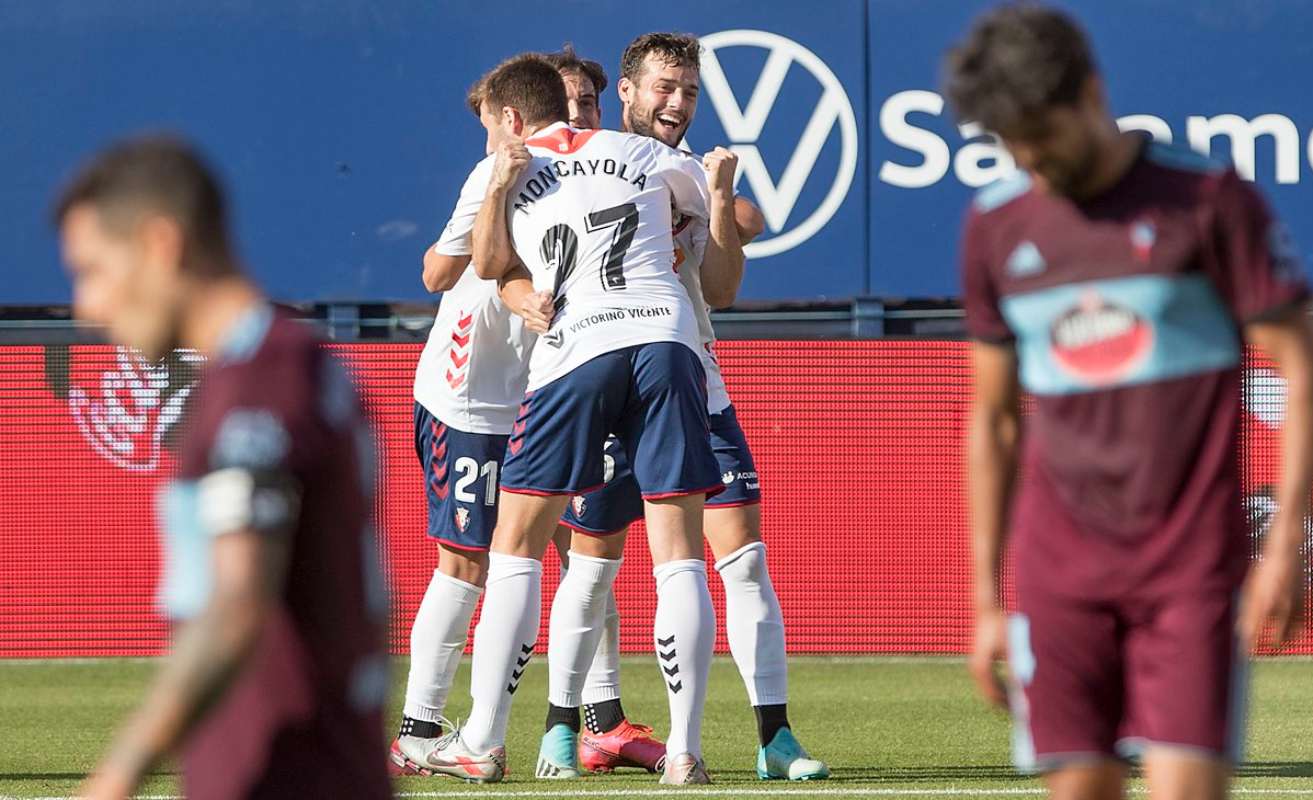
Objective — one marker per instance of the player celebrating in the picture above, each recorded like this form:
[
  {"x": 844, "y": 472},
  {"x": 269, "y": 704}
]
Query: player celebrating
[
  {"x": 659, "y": 88},
  {"x": 468, "y": 384},
  {"x": 275, "y": 683},
  {"x": 1117, "y": 280},
  {"x": 591, "y": 215}
]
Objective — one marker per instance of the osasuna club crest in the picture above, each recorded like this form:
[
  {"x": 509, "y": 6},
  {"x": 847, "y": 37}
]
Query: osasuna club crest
[
  {"x": 462, "y": 519},
  {"x": 579, "y": 504}
]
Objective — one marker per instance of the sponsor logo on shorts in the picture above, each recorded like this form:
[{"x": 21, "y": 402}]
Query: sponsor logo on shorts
[
  {"x": 749, "y": 478},
  {"x": 462, "y": 519}
]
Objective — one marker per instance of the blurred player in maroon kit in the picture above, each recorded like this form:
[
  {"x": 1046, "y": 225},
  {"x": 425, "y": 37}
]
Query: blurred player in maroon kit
[
  {"x": 1116, "y": 280},
  {"x": 275, "y": 683}
]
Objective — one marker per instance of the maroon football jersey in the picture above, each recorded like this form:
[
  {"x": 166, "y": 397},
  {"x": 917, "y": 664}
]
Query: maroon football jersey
[
  {"x": 278, "y": 443},
  {"x": 1126, "y": 313}
]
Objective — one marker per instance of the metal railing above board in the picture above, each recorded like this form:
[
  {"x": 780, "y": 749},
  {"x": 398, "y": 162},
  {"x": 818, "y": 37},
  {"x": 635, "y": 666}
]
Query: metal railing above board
[{"x": 863, "y": 318}]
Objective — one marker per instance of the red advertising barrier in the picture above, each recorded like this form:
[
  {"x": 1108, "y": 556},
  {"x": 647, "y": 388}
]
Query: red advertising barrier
[{"x": 858, "y": 445}]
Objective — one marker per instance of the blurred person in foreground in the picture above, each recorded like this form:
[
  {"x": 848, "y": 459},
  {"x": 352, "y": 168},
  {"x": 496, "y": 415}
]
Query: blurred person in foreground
[
  {"x": 276, "y": 678},
  {"x": 1117, "y": 281}
]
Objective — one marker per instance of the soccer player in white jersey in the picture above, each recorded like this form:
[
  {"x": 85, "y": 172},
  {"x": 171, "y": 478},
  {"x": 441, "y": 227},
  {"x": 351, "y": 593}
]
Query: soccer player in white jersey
[
  {"x": 589, "y": 215},
  {"x": 659, "y": 88},
  {"x": 468, "y": 385}
]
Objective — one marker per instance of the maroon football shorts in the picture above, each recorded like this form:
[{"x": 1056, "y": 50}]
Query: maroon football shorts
[{"x": 1110, "y": 679}]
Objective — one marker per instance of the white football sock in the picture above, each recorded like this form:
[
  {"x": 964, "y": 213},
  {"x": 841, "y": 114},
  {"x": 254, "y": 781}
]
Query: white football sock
[
  {"x": 685, "y": 631},
  {"x": 437, "y": 640},
  {"x": 603, "y": 681},
  {"x": 503, "y": 643},
  {"x": 578, "y": 615},
  {"x": 755, "y": 625}
]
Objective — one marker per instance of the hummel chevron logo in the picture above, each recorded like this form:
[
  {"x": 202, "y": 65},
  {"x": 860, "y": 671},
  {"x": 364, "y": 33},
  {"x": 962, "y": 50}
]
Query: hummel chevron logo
[
  {"x": 460, "y": 341},
  {"x": 465, "y": 321},
  {"x": 526, "y": 653},
  {"x": 672, "y": 670},
  {"x": 459, "y": 360},
  {"x": 455, "y": 380}
]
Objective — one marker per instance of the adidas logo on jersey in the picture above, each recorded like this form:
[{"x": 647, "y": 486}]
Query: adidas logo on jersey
[{"x": 1025, "y": 260}]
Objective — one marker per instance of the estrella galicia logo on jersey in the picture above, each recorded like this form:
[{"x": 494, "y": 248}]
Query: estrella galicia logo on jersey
[
  {"x": 743, "y": 127},
  {"x": 1099, "y": 342},
  {"x": 579, "y": 504},
  {"x": 462, "y": 518}
]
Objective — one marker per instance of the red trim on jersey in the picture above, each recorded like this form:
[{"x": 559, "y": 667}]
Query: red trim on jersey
[
  {"x": 586, "y": 532},
  {"x": 562, "y": 140},
  {"x": 710, "y": 491},
  {"x": 735, "y": 504},
  {"x": 467, "y": 548},
  {"x": 543, "y": 493}
]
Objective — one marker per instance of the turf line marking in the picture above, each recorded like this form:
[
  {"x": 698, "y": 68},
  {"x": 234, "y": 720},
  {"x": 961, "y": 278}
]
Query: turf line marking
[{"x": 729, "y": 791}]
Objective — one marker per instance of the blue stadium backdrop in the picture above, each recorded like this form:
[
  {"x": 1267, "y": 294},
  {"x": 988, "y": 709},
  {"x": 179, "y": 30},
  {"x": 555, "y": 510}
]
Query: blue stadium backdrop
[{"x": 341, "y": 128}]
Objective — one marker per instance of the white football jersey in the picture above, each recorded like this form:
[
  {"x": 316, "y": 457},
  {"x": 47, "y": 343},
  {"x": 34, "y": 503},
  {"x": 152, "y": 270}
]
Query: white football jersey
[
  {"x": 591, "y": 219},
  {"x": 473, "y": 370},
  {"x": 690, "y": 248}
]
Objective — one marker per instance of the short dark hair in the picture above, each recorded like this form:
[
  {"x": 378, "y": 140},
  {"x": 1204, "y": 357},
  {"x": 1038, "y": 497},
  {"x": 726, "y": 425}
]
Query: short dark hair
[
  {"x": 676, "y": 49},
  {"x": 529, "y": 84},
  {"x": 160, "y": 174},
  {"x": 474, "y": 98},
  {"x": 567, "y": 60},
  {"x": 1017, "y": 62}
]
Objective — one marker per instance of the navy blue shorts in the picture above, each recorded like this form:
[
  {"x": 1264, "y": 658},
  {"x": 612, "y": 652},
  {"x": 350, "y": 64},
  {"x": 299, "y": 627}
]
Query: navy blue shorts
[
  {"x": 618, "y": 504},
  {"x": 460, "y": 479},
  {"x": 652, "y": 397}
]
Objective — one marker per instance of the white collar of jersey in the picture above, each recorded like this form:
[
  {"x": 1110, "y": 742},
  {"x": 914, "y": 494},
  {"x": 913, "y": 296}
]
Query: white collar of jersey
[{"x": 245, "y": 335}]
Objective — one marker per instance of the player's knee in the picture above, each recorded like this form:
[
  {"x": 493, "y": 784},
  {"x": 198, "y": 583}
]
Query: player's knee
[
  {"x": 609, "y": 547},
  {"x": 470, "y": 566},
  {"x": 730, "y": 530}
]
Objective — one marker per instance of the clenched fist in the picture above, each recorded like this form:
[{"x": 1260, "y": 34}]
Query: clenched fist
[
  {"x": 721, "y": 165},
  {"x": 512, "y": 158}
]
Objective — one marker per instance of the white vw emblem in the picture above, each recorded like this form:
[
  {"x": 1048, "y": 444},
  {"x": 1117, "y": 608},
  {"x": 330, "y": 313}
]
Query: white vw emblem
[{"x": 743, "y": 126}]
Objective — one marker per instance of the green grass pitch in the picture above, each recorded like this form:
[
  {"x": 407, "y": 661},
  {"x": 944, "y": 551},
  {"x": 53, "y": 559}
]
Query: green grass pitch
[{"x": 889, "y": 727}]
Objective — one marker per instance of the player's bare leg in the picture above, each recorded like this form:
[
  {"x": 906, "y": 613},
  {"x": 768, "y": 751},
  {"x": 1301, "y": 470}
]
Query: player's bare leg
[
  {"x": 1179, "y": 774},
  {"x": 1104, "y": 780},
  {"x": 576, "y": 626},
  {"x": 505, "y": 637},
  {"x": 754, "y": 625},
  {"x": 684, "y": 628},
  {"x": 437, "y": 640}
]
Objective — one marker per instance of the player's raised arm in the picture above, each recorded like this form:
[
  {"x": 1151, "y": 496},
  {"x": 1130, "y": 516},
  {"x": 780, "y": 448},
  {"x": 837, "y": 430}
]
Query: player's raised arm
[
  {"x": 493, "y": 252},
  {"x": 722, "y": 265},
  {"x": 441, "y": 271},
  {"x": 445, "y": 261}
]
